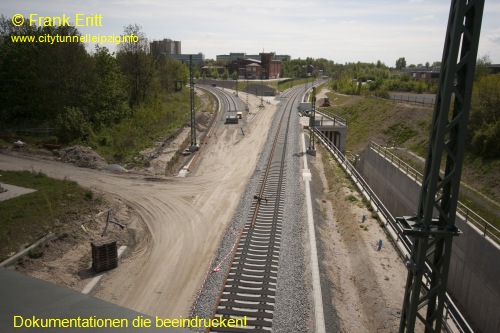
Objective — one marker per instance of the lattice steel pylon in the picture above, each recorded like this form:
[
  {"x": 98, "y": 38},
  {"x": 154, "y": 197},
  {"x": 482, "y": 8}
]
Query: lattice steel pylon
[
  {"x": 312, "y": 123},
  {"x": 193, "y": 114},
  {"x": 432, "y": 237}
]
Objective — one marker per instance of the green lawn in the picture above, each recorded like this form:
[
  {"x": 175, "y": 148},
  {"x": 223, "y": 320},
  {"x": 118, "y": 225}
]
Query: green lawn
[{"x": 28, "y": 217}]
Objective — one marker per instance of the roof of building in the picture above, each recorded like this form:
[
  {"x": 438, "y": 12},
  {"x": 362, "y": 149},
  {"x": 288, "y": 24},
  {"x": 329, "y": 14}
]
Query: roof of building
[
  {"x": 252, "y": 59},
  {"x": 26, "y": 298}
]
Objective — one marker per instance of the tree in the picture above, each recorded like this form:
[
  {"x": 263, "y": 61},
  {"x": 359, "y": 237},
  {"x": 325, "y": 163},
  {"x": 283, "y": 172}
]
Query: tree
[
  {"x": 484, "y": 121},
  {"x": 72, "y": 125},
  {"x": 215, "y": 73},
  {"x": 401, "y": 63},
  {"x": 225, "y": 75},
  {"x": 482, "y": 67},
  {"x": 107, "y": 102},
  {"x": 39, "y": 80},
  {"x": 171, "y": 71},
  {"x": 136, "y": 63}
]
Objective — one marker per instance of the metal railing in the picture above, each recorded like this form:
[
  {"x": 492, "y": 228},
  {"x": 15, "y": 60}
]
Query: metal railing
[
  {"x": 488, "y": 229},
  {"x": 412, "y": 98},
  {"x": 336, "y": 119}
]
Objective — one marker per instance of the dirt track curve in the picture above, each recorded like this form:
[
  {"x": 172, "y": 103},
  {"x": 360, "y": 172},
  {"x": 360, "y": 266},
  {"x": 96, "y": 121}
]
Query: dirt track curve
[{"x": 185, "y": 216}]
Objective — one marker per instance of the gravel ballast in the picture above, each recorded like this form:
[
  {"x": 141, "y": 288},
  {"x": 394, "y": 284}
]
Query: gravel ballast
[{"x": 292, "y": 308}]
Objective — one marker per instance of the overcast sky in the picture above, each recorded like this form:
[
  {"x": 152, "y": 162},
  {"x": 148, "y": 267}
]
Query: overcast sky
[{"x": 342, "y": 31}]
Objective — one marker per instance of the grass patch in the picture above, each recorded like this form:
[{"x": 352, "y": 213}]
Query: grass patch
[
  {"x": 287, "y": 84},
  {"x": 333, "y": 173},
  {"x": 122, "y": 142},
  {"x": 408, "y": 126},
  {"x": 380, "y": 120},
  {"x": 351, "y": 198},
  {"x": 365, "y": 118},
  {"x": 400, "y": 133},
  {"x": 339, "y": 99},
  {"x": 28, "y": 217}
]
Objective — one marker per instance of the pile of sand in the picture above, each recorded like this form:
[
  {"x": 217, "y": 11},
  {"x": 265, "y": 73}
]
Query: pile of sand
[{"x": 84, "y": 157}]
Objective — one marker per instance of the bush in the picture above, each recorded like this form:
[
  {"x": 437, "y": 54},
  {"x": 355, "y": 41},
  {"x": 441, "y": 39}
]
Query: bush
[
  {"x": 72, "y": 125},
  {"x": 35, "y": 252},
  {"x": 382, "y": 93},
  {"x": 351, "y": 198},
  {"x": 484, "y": 123}
]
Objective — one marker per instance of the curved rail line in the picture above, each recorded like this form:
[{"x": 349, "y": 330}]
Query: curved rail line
[
  {"x": 250, "y": 284},
  {"x": 227, "y": 99}
]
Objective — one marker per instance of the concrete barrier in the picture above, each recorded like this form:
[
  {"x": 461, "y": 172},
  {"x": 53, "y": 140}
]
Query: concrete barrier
[{"x": 474, "y": 277}]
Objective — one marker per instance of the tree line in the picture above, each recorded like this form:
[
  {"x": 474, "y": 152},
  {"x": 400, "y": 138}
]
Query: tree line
[
  {"x": 83, "y": 95},
  {"x": 378, "y": 80},
  {"x": 77, "y": 93}
]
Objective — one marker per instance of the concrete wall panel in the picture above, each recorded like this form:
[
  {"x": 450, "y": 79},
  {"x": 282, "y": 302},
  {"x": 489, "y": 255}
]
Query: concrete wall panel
[{"x": 474, "y": 277}]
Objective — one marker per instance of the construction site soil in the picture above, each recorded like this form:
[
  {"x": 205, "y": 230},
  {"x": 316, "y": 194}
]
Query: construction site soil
[{"x": 174, "y": 226}]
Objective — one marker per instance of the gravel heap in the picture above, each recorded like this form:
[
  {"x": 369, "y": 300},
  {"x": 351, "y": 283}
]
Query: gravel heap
[
  {"x": 84, "y": 157},
  {"x": 292, "y": 312}
]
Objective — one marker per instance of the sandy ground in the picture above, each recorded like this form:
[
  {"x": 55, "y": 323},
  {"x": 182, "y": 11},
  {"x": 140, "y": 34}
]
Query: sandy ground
[
  {"x": 364, "y": 286},
  {"x": 185, "y": 217},
  {"x": 176, "y": 225},
  {"x": 163, "y": 155}
]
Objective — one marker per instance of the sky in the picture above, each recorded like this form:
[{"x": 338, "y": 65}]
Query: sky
[{"x": 342, "y": 31}]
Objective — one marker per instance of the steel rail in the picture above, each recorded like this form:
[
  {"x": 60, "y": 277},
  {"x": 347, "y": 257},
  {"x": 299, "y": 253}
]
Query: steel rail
[{"x": 250, "y": 281}]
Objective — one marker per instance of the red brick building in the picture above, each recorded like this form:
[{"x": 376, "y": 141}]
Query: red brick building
[{"x": 264, "y": 68}]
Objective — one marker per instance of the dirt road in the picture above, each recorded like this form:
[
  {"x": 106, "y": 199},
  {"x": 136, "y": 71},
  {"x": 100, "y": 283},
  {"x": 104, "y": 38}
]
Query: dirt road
[{"x": 185, "y": 216}]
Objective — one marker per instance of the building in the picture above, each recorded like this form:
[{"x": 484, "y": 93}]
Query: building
[
  {"x": 430, "y": 74},
  {"x": 310, "y": 70},
  {"x": 165, "y": 47},
  {"x": 207, "y": 71},
  {"x": 172, "y": 49},
  {"x": 271, "y": 69},
  {"x": 262, "y": 66},
  {"x": 233, "y": 56},
  {"x": 197, "y": 58},
  {"x": 230, "y": 57}
]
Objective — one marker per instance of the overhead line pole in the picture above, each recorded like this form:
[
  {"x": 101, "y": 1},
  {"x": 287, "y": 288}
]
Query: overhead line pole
[
  {"x": 194, "y": 145},
  {"x": 433, "y": 237},
  {"x": 312, "y": 124}
]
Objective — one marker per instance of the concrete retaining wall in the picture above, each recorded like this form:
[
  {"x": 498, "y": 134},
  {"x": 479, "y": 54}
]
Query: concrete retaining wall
[{"x": 474, "y": 277}]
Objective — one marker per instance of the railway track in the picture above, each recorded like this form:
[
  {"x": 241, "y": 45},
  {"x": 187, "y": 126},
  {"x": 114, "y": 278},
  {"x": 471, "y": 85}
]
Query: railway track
[
  {"x": 230, "y": 103},
  {"x": 250, "y": 285}
]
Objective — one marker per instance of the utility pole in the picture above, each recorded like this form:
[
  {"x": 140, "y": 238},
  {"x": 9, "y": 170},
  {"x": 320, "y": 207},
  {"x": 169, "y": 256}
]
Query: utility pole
[
  {"x": 312, "y": 124},
  {"x": 261, "y": 92},
  {"x": 247, "y": 108},
  {"x": 236, "y": 85},
  {"x": 194, "y": 146},
  {"x": 432, "y": 237}
]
